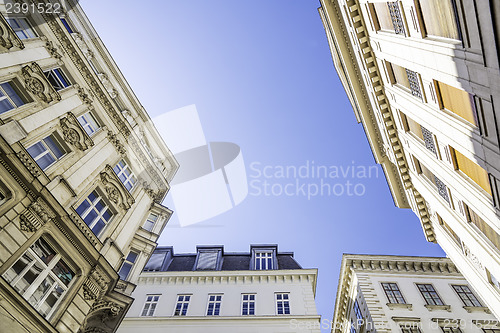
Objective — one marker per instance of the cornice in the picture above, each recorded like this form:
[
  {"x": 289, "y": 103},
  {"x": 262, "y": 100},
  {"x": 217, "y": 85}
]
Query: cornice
[{"x": 224, "y": 318}]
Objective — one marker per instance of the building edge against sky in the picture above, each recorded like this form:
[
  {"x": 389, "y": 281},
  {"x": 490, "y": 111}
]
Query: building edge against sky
[
  {"x": 83, "y": 173},
  {"x": 216, "y": 291},
  {"x": 423, "y": 79}
]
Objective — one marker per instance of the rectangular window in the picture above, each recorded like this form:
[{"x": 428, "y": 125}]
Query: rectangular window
[
  {"x": 471, "y": 169},
  {"x": 57, "y": 79},
  {"x": 207, "y": 260},
  {"x": 46, "y": 152},
  {"x": 155, "y": 262},
  {"x": 430, "y": 295},
  {"x": 439, "y": 185},
  {"x": 283, "y": 303},
  {"x": 388, "y": 17},
  {"x": 214, "y": 304},
  {"x": 181, "y": 307},
  {"x": 9, "y": 98},
  {"x": 440, "y": 18},
  {"x": 457, "y": 101},
  {"x": 491, "y": 330},
  {"x": 150, "y": 305},
  {"x": 127, "y": 265},
  {"x": 66, "y": 25},
  {"x": 94, "y": 211},
  {"x": 484, "y": 227},
  {"x": 21, "y": 27},
  {"x": 410, "y": 330},
  {"x": 451, "y": 330},
  {"x": 125, "y": 174},
  {"x": 357, "y": 310},
  {"x": 393, "y": 293},
  {"x": 466, "y": 295},
  {"x": 88, "y": 123},
  {"x": 247, "y": 304},
  {"x": 407, "y": 79},
  {"x": 263, "y": 260},
  {"x": 150, "y": 222},
  {"x": 41, "y": 276}
]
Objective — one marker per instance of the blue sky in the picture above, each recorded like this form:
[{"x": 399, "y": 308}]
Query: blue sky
[{"x": 261, "y": 76}]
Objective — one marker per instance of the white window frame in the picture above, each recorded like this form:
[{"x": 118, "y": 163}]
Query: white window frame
[
  {"x": 8, "y": 97},
  {"x": 48, "y": 151},
  {"x": 184, "y": 305},
  {"x": 247, "y": 302},
  {"x": 214, "y": 300},
  {"x": 285, "y": 303},
  {"x": 43, "y": 277},
  {"x": 89, "y": 123},
  {"x": 23, "y": 29},
  {"x": 61, "y": 80},
  {"x": 150, "y": 223},
  {"x": 129, "y": 179},
  {"x": 129, "y": 262},
  {"x": 150, "y": 305},
  {"x": 264, "y": 260},
  {"x": 92, "y": 206}
]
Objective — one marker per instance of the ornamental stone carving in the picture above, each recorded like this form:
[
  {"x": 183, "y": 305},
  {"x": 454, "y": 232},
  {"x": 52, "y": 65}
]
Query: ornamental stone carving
[
  {"x": 116, "y": 192},
  {"x": 118, "y": 145},
  {"x": 82, "y": 45},
  {"x": 36, "y": 83},
  {"x": 73, "y": 132},
  {"x": 107, "y": 85},
  {"x": 29, "y": 163},
  {"x": 8, "y": 38},
  {"x": 49, "y": 45},
  {"x": 95, "y": 285},
  {"x": 36, "y": 215},
  {"x": 104, "y": 317}
]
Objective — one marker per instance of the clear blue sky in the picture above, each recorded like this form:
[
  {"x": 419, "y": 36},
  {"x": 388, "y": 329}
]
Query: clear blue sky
[{"x": 261, "y": 76}]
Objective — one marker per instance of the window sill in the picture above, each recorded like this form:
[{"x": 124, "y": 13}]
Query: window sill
[
  {"x": 471, "y": 309},
  {"x": 398, "y": 306},
  {"x": 438, "y": 307}
]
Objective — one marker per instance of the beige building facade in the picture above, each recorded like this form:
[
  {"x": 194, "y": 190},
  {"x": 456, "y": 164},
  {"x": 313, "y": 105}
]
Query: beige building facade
[
  {"x": 407, "y": 294},
  {"x": 83, "y": 173},
  {"x": 423, "y": 78}
]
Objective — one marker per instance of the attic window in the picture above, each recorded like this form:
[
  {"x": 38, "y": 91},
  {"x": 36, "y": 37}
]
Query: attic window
[
  {"x": 155, "y": 262},
  {"x": 207, "y": 260}
]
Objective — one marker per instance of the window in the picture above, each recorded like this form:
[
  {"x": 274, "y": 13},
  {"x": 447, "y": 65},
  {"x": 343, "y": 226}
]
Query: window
[
  {"x": 150, "y": 222},
  {"x": 352, "y": 327},
  {"x": 207, "y": 260},
  {"x": 88, "y": 123},
  {"x": 155, "y": 262},
  {"x": 57, "y": 79},
  {"x": 393, "y": 293},
  {"x": 420, "y": 132},
  {"x": 214, "y": 303},
  {"x": 94, "y": 211},
  {"x": 387, "y": 17},
  {"x": 410, "y": 330},
  {"x": 407, "y": 79},
  {"x": 438, "y": 183},
  {"x": 182, "y": 305},
  {"x": 471, "y": 169},
  {"x": 450, "y": 231},
  {"x": 282, "y": 303},
  {"x": 247, "y": 304},
  {"x": 451, "y": 330},
  {"x": 66, "y": 25},
  {"x": 4, "y": 194},
  {"x": 150, "y": 305},
  {"x": 40, "y": 276},
  {"x": 439, "y": 18},
  {"x": 484, "y": 227},
  {"x": 21, "y": 27},
  {"x": 491, "y": 330},
  {"x": 125, "y": 174},
  {"x": 430, "y": 295},
  {"x": 127, "y": 265},
  {"x": 457, "y": 101},
  {"x": 46, "y": 152},
  {"x": 9, "y": 98},
  {"x": 357, "y": 310},
  {"x": 466, "y": 295},
  {"x": 263, "y": 260}
]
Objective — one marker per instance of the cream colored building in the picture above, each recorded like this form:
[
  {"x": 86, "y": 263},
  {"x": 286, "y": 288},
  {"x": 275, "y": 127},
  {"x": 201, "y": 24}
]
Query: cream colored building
[
  {"x": 423, "y": 78},
  {"x": 221, "y": 292},
  {"x": 407, "y": 294},
  {"x": 83, "y": 173}
]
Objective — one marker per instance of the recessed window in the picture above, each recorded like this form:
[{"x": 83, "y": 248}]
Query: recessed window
[
  {"x": 247, "y": 304},
  {"x": 451, "y": 330},
  {"x": 263, "y": 260},
  {"x": 150, "y": 305},
  {"x": 181, "y": 307},
  {"x": 125, "y": 174},
  {"x": 95, "y": 212},
  {"x": 57, "y": 79},
  {"x": 440, "y": 18},
  {"x": 46, "y": 152},
  {"x": 407, "y": 79},
  {"x": 207, "y": 260},
  {"x": 127, "y": 265},
  {"x": 9, "y": 97},
  {"x": 41, "y": 276},
  {"x": 476, "y": 173},
  {"x": 441, "y": 187},
  {"x": 155, "y": 262},
  {"x": 410, "y": 329},
  {"x": 66, "y": 25},
  {"x": 430, "y": 295},
  {"x": 457, "y": 101},
  {"x": 150, "y": 222},
  {"x": 393, "y": 293},
  {"x": 486, "y": 230},
  {"x": 283, "y": 303},
  {"x": 387, "y": 17},
  {"x": 357, "y": 310},
  {"x": 88, "y": 123},
  {"x": 21, "y": 27},
  {"x": 466, "y": 295},
  {"x": 214, "y": 304}
]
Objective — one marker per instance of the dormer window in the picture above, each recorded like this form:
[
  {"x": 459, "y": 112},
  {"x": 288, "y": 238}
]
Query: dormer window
[
  {"x": 264, "y": 258},
  {"x": 208, "y": 259}
]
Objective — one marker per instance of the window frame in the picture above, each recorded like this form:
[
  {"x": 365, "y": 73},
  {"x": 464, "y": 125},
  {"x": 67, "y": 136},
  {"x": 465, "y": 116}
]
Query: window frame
[
  {"x": 128, "y": 262},
  {"x": 130, "y": 177},
  {"x": 85, "y": 123},
  {"x": 59, "y": 77},
  {"x": 424, "y": 26},
  {"x": 100, "y": 214},
  {"x": 395, "y": 297},
  {"x": 27, "y": 27},
  {"x": 285, "y": 303},
  {"x": 429, "y": 291},
  {"x": 268, "y": 260},
  {"x": 151, "y": 222},
  {"x": 9, "y": 98},
  {"x": 150, "y": 305},
  {"x": 214, "y": 305},
  {"x": 48, "y": 151},
  {"x": 466, "y": 295},
  {"x": 248, "y": 302},
  {"x": 184, "y": 305}
]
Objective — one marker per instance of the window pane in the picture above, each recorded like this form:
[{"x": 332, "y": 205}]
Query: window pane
[
  {"x": 29, "y": 277},
  {"x": 473, "y": 170},
  {"x": 53, "y": 146},
  {"x": 383, "y": 16},
  {"x": 43, "y": 251},
  {"x": 41, "y": 290},
  {"x": 18, "y": 267},
  {"x": 83, "y": 207},
  {"x": 5, "y": 105},
  {"x": 63, "y": 272},
  {"x": 125, "y": 270},
  {"x": 51, "y": 300},
  {"x": 457, "y": 101},
  {"x": 439, "y": 18},
  {"x": 36, "y": 150}
]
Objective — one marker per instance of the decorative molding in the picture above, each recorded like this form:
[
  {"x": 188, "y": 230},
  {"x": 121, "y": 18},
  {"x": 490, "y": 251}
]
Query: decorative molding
[
  {"x": 472, "y": 257},
  {"x": 15, "y": 176},
  {"x": 29, "y": 163},
  {"x": 36, "y": 83},
  {"x": 73, "y": 132},
  {"x": 63, "y": 229},
  {"x": 471, "y": 309},
  {"x": 95, "y": 285},
  {"x": 432, "y": 307},
  {"x": 120, "y": 148},
  {"x": 36, "y": 215},
  {"x": 156, "y": 196},
  {"x": 87, "y": 232},
  {"x": 82, "y": 45},
  {"x": 8, "y": 38},
  {"x": 49, "y": 45},
  {"x": 115, "y": 190},
  {"x": 399, "y": 306},
  {"x": 83, "y": 95},
  {"x": 107, "y": 85}
]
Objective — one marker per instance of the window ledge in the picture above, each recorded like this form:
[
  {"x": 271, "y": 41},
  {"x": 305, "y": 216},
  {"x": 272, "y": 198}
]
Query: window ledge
[
  {"x": 471, "y": 309},
  {"x": 394, "y": 306},
  {"x": 438, "y": 307}
]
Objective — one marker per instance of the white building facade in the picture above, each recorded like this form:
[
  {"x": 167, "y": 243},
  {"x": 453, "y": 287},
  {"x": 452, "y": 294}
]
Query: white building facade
[
  {"x": 83, "y": 172},
  {"x": 423, "y": 78},
  {"x": 215, "y": 291},
  {"x": 408, "y": 295}
]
